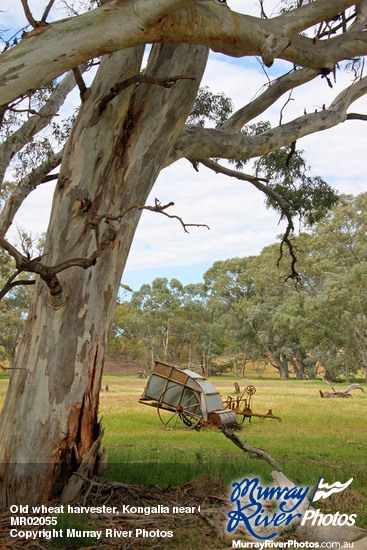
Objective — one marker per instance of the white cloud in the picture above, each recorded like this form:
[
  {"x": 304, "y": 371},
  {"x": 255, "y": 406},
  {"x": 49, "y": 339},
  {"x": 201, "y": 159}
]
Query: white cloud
[{"x": 240, "y": 224}]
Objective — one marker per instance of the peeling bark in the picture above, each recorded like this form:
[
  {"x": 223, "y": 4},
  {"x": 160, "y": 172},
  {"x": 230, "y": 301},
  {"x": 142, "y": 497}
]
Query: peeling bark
[
  {"x": 36, "y": 123},
  {"x": 118, "y": 25},
  {"x": 110, "y": 163},
  {"x": 197, "y": 143}
]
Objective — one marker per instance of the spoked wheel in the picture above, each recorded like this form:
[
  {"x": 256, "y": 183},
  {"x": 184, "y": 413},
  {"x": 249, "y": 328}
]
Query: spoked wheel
[{"x": 187, "y": 411}]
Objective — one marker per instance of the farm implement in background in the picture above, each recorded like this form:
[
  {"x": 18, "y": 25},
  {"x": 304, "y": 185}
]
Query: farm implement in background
[
  {"x": 242, "y": 405},
  {"x": 185, "y": 398}
]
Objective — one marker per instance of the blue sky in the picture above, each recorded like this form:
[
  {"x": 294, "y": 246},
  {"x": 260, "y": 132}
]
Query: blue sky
[{"x": 239, "y": 223}]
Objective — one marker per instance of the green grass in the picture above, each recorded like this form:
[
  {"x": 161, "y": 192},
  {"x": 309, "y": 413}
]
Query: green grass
[
  {"x": 318, "y": 437},
  {"x": 80, "y": 522}
]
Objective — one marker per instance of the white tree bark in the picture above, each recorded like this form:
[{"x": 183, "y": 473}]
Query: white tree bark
[
  {"x": 62, "y": 45},
  {"x": 198, "y": 143},
  {"x": 24, "y": 188},
  {"x": 111, "y": 162},
  {"x": 35, "y": 123},
  {"x": 268, "y": 98}
]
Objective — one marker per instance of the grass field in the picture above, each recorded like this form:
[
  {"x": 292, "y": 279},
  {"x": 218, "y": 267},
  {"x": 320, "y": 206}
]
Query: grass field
[{"x": 318, "y": 437}]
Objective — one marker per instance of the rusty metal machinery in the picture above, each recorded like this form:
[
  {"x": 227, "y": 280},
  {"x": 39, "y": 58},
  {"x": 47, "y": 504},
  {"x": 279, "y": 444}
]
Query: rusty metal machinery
[
  {"x": 242, "y": 405},
  {"x": 185, "y": 399}
]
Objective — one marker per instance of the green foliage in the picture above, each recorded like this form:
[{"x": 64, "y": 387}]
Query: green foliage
[
  {"x": 210, "y": 108},
  {"x": 287, "y": 172},
  {"x": 167, "y": 321},
  {"x": 247, "y": 310}
]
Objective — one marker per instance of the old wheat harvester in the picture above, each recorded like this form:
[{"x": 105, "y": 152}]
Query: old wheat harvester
[{"x": 184, "y": 397}]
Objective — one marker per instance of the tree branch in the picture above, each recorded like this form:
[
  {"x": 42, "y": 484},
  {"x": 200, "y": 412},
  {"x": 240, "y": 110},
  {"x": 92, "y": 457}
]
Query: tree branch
[
  {"x": 139, "y": 79},
  {"x": 196, "y": 143},
  {"x": 28, "y": 14},
  {"x": 284, "y": 205},
  {"x": 47, "y": 10},
  {"x": 49, "y": 273},
  {"x": 272, "y": 93},
  {"x": 259, "y": 453},
  {"x": 219, "y": 169},
  {"x": 158, "y": 207},
  {"x": 36, "y": 123},
  {"x": 11, "y": 284},
  {"x": 361, "y": 17},
  {"x": 24, "y": 188},
  {"x": 308, "y": 15},
  {"x": 207, "y": 23},
  {"x": 356, "y": 116},
  {"x": 80, "y": 81}
]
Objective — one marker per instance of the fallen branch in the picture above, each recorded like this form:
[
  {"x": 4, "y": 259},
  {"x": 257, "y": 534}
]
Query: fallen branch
[
  {"x": 342, "y": 393},
  {"x": 260, "y": 453}
]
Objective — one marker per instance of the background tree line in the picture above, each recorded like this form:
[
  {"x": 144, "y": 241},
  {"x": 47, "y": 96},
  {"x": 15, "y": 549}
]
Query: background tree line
[{"x": 248, "y": 311}]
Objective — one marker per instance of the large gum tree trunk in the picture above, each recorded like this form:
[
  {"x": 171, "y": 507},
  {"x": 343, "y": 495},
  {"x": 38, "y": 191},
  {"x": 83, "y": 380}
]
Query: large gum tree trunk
[{"x": 49, "y": 419}]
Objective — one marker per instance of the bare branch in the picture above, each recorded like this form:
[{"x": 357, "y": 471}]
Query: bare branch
[
  {"x": 47, "y": 11},
  {"x": 49, "y": 273},
  {"x": 356, "y": 116},
  {"x": 11, "y": 284},
  {"x": 289, "y": 99},
  {"x": 361, "y": 17},
  {"x": 272, "y": 93},
  {"x": 206, "y": 23},
  {"x": 259, "y": 453},
  {"x": 291, "y": 153},
  {"x": 36, "y": 123},
  {"x": 139, "y": 79},
  {"x": 3, "y": 110},
  {"x": 263, "y": 14},
  {"x": 294, "y": 21},
  {"x": 8, "y": 284},
  {"x": 24, "y": 188},
  {"x": 219, "y": 169},
  {"x": 284, "y": 205},
  {"x": 306, "y": 16},
  {"x": 196, "y": 142},
  {"x": 28, "y": 14},
  {"x": 158, "y": 207},
  {"x": 50, "y": 177}
]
